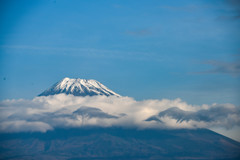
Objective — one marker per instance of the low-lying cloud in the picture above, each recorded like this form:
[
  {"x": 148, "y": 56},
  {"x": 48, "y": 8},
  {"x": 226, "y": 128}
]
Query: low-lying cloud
[
  {"x": 66, "y": 111},
  {"x": 216, "y": 115}
]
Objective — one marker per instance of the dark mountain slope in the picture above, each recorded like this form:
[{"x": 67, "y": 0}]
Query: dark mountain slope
[{"x": 118, "y": 143}]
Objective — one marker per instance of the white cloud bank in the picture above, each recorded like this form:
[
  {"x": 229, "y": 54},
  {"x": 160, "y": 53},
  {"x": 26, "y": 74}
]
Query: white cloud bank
[{"x": 60, "y": 111}]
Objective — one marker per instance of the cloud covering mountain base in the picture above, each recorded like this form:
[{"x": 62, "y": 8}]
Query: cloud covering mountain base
[{"x": 68, "y": 111}]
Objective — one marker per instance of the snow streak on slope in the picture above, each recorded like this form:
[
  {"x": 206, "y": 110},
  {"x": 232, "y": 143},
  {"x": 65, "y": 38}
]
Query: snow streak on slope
[{"x": 79, "y": 87}]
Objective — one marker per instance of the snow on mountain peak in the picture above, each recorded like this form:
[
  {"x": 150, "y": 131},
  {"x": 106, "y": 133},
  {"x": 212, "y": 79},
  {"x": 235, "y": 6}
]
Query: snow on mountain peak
[{"x": 79, "y": 87}]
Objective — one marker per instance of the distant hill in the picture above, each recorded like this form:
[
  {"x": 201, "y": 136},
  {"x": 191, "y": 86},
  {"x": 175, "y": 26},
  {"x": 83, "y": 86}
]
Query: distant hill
[{"x": 118, "y": 144}]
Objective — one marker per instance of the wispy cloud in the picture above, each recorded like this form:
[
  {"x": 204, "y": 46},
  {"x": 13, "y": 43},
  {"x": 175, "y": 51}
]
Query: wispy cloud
[
  {"x": 231, "y": 10},
  {"x": 186, "y": 8},
  {"x": 60, "y": 111},
  {"x": 232, "y": 17},
  {"x": 235, "y": 4},
  {"x": 83, "y": 52},
  {"x": 220, "y": 67},
  {"x": 232, "y": 68},
  {"x": 202, "y": 117}
]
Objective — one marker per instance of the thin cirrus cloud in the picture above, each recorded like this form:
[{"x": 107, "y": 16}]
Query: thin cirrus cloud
[
  {"x": 84, "y": 52},
  {"x": 220, "y": 67},
  {"x": 184, "y": 8},
  {"x": 232, "y": 68},
  {"x": 231, "y": 10},
  {"x": 65, "y": 111}
]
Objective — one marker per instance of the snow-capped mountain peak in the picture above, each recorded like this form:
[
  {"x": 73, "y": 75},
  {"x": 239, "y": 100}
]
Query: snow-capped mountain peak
[{"x": 79, "y": 87}]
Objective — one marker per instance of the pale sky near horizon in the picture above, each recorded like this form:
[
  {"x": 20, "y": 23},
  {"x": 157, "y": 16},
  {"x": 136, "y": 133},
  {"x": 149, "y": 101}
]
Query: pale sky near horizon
[{"x": 143, "y": 49}]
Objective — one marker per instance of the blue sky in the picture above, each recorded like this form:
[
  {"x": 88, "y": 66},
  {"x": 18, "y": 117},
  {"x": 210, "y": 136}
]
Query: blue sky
[{"x": 143, "y": 49}]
